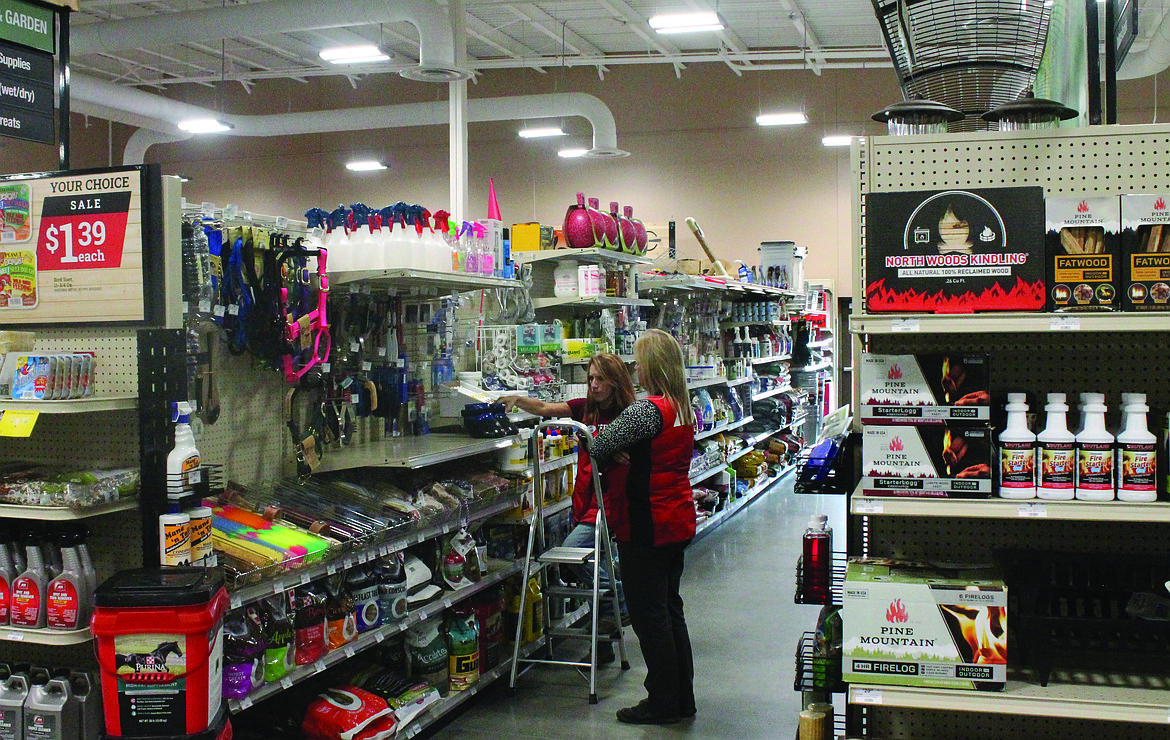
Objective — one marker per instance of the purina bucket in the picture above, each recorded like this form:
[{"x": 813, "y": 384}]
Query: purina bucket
[{"x": 158, "y": 635}]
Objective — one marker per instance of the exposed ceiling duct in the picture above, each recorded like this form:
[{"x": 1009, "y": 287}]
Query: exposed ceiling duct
[
  {"x": 1152, "y": 59},
  {"x": 159, "y": 114},
  {"x": 971, "y": 55},
  {"x": 436, "y": 40}
]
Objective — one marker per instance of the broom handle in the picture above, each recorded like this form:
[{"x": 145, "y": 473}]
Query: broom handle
[{"x": 716, "y": 265}]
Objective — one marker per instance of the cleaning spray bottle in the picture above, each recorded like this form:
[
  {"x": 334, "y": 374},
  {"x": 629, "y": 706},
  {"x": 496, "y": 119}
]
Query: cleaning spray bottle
[
  {"x": 443, "y": 227},
  {"x": 69, "y": 600},
  {"x": 183, "y": 461},
  {"x": 414, "y": 236},
  {"x": 439, "y": 255},
  {"x": 1137, "y": 455},
  {"x": 1057, "y": 453},
  {"x": 1095, "y": 473},
  {"x": 91, "y": 576},
  {"x": 1017, "y": 452},
  {"x": 487, "y": 259},
  {"x": 337, "y": 234},
  {"x": 470, "y": 249},
  {"x": 7, "y": 576},
  {"x": 28, "y": 590}
]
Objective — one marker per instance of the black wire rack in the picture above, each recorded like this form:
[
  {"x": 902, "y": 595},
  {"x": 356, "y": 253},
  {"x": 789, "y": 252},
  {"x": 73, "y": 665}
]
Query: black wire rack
[
  {"x": 821, "y": 474},
  {"x": 837, "y": 583},
  {"x": 816, "y": 674}
]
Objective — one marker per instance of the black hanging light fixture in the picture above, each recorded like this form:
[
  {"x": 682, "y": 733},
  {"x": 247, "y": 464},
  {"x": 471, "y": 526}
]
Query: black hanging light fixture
[
  {"x": 1029, "y": 112},
  {"x": 908, "y": 117}
]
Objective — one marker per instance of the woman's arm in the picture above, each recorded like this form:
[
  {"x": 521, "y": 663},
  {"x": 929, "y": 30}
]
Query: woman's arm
[
  {"x": 535, "y": 406},
  {"x": 642, "y": 420}
]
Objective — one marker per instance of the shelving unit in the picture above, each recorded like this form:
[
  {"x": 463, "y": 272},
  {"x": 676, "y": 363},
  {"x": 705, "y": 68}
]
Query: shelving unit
[
  {"x": 704, "y": 475},
  {"x": 95, "y": 403},
  {"x": 383, "y": 280},
  {"x": 694, "y": 384},
  {"x": 769, "y": 393},
  {"x": 64, "y": 513},
  {"x": 591, "y": 302},
  {"x": 593, "y": 255},
  {"x": 764, "y": 360},
  {"x": 997, "y": 508},
  {"x": 712, "y": 522},
  {"x": 45, "y": 636},
  {"x": 1006, "y": 322},
  {"x": 725, "y": 428},
  {"x": 410, "y": 452}
]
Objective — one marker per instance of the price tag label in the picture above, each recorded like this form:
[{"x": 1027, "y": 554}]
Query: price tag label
[
  {"x": 204, "y": 306},
  {"x": 905, "y": 325},
  {"x": 349, "y": 651},
  {"x": 17, "y": 636},
  {"x": 353, "y": 288},
  {"x": 245, "y": 702},
  {"x": 366, "y": 366},
  {"x": 1064, "y": 323},
  {"x": 83, "y": 233},
  {"x": 366, "y": 289},
  {"x": 194, "y": 476},
  {"x": 355, "y": 347},
  {"x": 379, "y": 636},
  {"x": 319, "y": 666},
  {"x": 218, "y": 310},
  {"x": 867, "y": 696},
  {"x": 286, "y": 683},
  {"x": 18, "y": 422},
  {"x": 331, "y": 568},
  {"x": 305, "y": 578},
  {"x": 349, "y": 563},
  {"x": 381, "y": 352},
  {"x": 233, "y": 309},
  {"x": 278, "y": 588},
  {"x": 867, "y": 506},
  {"x": 207, "y": 209},
  {"x": 236, "y": 602},
  {"x": 1033, "y": 511},
  {"x": 325, "y": 367},
  {"x": 281, "y": 222}
]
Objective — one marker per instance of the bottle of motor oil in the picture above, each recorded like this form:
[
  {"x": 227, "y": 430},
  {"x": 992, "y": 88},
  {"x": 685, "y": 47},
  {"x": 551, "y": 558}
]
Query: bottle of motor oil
[
  {"x": 49, "y": 712},
  {"x": 392, "y": 588},
  {"x": 1095, "y": 473},
  {"x": 28, "y": 590},
  {"x": 427, "y": 650},
  {"x": 1017, "y": 452},
  {"x": 279, "y": 648},
  {"x": 88, "y": 698},
  {"x": 366, "y": 607},
  {"x": 1137, "y": 455},
  {"x": 67, "y": 604},
  {"x": 462, "y": 648},
  {"x": 13, "y": 693},
  {"x": 1057, "y": 453}
]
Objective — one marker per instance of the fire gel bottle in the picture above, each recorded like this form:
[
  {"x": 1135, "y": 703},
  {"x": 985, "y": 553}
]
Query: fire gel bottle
[
  {"x": 1137, "y": 455},
  {"x": 1057, "y": 452},
  {"x": 1095, "y": 473},
  {"x": 1017, "y": 452},
  {"x": 817, "y": 561}
]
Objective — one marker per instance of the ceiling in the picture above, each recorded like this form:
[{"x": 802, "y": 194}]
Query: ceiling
[{"x": 540, "y": 34}]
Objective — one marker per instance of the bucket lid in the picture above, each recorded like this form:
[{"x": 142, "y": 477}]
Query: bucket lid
[{"x": 153, "y": 587}]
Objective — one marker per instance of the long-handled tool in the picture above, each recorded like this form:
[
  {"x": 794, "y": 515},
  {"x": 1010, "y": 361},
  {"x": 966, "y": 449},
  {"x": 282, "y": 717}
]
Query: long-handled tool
[{"x": 715, "y": 264}]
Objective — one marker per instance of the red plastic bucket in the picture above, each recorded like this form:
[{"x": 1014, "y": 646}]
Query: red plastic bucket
[{"x": 158, "y": 635}]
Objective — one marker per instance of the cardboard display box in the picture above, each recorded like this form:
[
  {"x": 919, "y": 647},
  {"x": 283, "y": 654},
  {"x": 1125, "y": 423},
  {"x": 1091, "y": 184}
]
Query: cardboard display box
[
  {"x": 938, "y": 461},
  {"x": 955, "y": 251},
  {"x": 918, "y": 624},
  {"x": 1083, "y": 263},
  {"x": 924, "y": 389},
  {"x": 1145, "y": 240}
]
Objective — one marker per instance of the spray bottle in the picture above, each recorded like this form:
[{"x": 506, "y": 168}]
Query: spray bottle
[
  {"x": 337, "y": 237},
  {"x": 1137, "y": 454},
  {"x": 1057, "y": 453},
  {"x": 69, "y": 599},
  {"x": 439, "y": 255},
  {"x": 443, "y": 226},
  {"x": 1095, "y": 473},
  {"x": 7, "y": 576},
  {"x": 91, "y": 576},
  {"x": 183, "y": 461},
  {"x": 28, "y": 590},
  {"x": 487, "y": 259},
  {"x": 1017, "y": 452}
]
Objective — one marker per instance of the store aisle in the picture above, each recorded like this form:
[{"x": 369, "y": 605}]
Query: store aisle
[{"x": 738, "y": 588}]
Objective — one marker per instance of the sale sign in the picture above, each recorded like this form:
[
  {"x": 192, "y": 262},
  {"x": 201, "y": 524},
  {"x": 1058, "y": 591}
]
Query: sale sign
[{"x": 82, "y": 232}]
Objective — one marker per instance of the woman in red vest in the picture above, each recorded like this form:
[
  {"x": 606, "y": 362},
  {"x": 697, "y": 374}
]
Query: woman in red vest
[{"x": 653, "y": 521}]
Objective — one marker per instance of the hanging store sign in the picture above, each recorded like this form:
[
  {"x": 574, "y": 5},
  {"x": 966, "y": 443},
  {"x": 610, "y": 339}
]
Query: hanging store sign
[
  {"x": 78, "y": 247},
  {"x": 26, "y": 94},
  {"x": 27, "y": 24}
]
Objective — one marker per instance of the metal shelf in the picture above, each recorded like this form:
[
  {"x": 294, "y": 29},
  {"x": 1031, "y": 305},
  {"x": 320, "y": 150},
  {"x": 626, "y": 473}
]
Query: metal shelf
[
  {"x": 45, "y": 636},
  {"x": 556, "y": 463},
  {"x": 713, "y": 470},
  {"x": 740, "y": 381},
  {"x": 408, "y": 278},
  {"x": 737, "y": 324},
  {"x": 1114, "y": 702},
  {"x": 820, "y": 344},
  {"x": 756, "y": 439},
  {"x": 410, "y": 452},
  {"x": 601, "y": 301},
  {"x": 680, "y": 282},
  {"x": 768, "y": 394},
  {"x": 546, "y": 511},
  {"x": 371, "y": 638},
  {"x": 998, "y": 508},
  {"x": 693, "y": 384},
  {"x": 593, "y": 254},
  {"x": 102, "y": 402},
  {"x": 724, "y": 428},
  {"x": 63, "y": 513},
  {"x": 1007, "y": 322},
  {"x": 763, "y": 360},
  {"x": 826, "y": 364}
]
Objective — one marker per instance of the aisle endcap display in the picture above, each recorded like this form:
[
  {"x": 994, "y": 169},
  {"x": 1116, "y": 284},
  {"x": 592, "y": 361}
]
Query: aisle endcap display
[{"x": 989, "y": 508}]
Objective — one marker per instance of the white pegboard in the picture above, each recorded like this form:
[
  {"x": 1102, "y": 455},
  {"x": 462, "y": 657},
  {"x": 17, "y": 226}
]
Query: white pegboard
[{"x": 116, "y": 352}]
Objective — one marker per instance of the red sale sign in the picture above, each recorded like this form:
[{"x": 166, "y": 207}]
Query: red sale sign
[{"x": 83, "y": 231}]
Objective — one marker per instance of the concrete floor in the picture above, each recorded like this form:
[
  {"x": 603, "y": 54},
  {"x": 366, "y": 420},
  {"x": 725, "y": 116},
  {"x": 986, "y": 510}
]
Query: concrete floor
[{"x": 738, "y": 588}]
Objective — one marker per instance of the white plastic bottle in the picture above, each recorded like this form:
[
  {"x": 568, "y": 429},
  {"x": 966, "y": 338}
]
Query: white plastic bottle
[
  {"x": 565, "y": 280},
  {"x": 1137, "y": 455},
  {"x": 1057, "y": 453},
  {"x": 1017, "y": 452},
  {"x": 183, "y": 461},
  {"x": 1095, "y": 474}
]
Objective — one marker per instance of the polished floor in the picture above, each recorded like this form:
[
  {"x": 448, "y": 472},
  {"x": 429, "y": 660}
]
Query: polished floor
[{"x": 738, "y": 588}]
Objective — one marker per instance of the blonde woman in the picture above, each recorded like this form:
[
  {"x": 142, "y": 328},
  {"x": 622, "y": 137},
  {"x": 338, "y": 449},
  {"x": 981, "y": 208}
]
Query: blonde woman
[{"x": 653, "y": 521}]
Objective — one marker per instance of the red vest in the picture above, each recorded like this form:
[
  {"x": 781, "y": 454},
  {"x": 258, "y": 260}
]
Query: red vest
[
  {"x": 656, "y": 507},
  {"x": 613, "y": 476}
]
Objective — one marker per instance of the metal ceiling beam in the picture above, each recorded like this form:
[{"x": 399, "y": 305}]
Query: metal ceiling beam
[
  {"x": 639, "y": 25},
  {"x": 554, "y": 29},
  {"x": 508, "y": 45},
  {"x": 810, "y": 40}
]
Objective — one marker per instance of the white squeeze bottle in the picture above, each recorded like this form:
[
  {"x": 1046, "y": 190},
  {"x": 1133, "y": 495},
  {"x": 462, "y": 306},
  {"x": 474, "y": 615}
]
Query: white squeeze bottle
[
  {"x": 1057, "y": 453},
  {"x": 1095, "y": 474},
  {"x": 1017, "y": 452},
  {"x": 183, "y": 461},
  {"x": 1137, "y": 454}
]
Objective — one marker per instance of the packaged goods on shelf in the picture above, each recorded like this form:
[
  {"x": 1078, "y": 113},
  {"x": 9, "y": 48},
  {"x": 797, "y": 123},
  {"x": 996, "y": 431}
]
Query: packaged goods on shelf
[
  {"x": 1145, "y": 245},
  {"x": 917, "y": 624},
  {"x": 925, "y": 389},
  {"x": 1083, "y": 266},
  {"x": 940, "y": 461},
  {"x": 31, "y": 485},
  {"x": 47, "y": 377},
  {"x": 955, "y": 251}
]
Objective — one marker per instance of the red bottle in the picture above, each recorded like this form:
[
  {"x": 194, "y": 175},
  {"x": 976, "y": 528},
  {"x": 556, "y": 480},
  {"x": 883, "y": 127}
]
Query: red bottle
[{"x": 817, "y": 570}]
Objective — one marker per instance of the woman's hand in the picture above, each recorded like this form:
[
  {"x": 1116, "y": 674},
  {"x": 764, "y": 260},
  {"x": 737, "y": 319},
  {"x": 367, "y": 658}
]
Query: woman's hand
[{"x": 621, "y": 457}]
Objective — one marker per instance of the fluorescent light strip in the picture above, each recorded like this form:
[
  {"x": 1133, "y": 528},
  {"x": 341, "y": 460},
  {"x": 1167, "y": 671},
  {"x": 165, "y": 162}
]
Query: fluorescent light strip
[
  {"x": 836, "y": 140},
  {"x": 781, "y": 119},
  {"x": 685, "y": 21},
  {"x": 365, "y": 166},
  {"x": 534, "y": 133},
  {"x": 353, "y": 54},
  {"x": 572, "y": 153},
  {"x": 692, "y": 29},
  {"x": 203, "y": 126}
]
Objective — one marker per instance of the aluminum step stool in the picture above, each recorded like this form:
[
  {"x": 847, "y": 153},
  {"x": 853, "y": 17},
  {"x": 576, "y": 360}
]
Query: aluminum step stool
[{"x": 580, "y": 557}]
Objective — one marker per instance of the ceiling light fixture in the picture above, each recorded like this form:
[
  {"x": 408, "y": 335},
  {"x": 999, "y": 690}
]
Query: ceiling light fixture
[
  {"x": 204, "y": 126},
  {"x": 686, "y": 22},
  {"x": 366, "y": 165},
  {"x": 354, "y": 54},
  {"x": 781, "y": 119},
  {"x": 537, "y": 133},
  {"x": 836, "y": 140},
  {"x": 572, "y": 153}
]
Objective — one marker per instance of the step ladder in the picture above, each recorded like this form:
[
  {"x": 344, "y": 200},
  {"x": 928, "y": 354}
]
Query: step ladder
[{"x": 537, "y": 559}]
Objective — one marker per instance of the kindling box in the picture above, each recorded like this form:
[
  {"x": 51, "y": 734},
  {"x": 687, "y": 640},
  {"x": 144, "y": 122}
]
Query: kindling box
[
  {"x": 1145, "y": 239},
  {"x": 937, "y": 461},
  {"x": 1083, "y": 261},
  {"x": 918, "y": 624},
  {"x": 924, "y": 389}
]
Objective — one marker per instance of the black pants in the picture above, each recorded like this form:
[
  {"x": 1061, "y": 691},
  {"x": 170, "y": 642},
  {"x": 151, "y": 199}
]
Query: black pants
[{"x": 651, "y": 576}]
